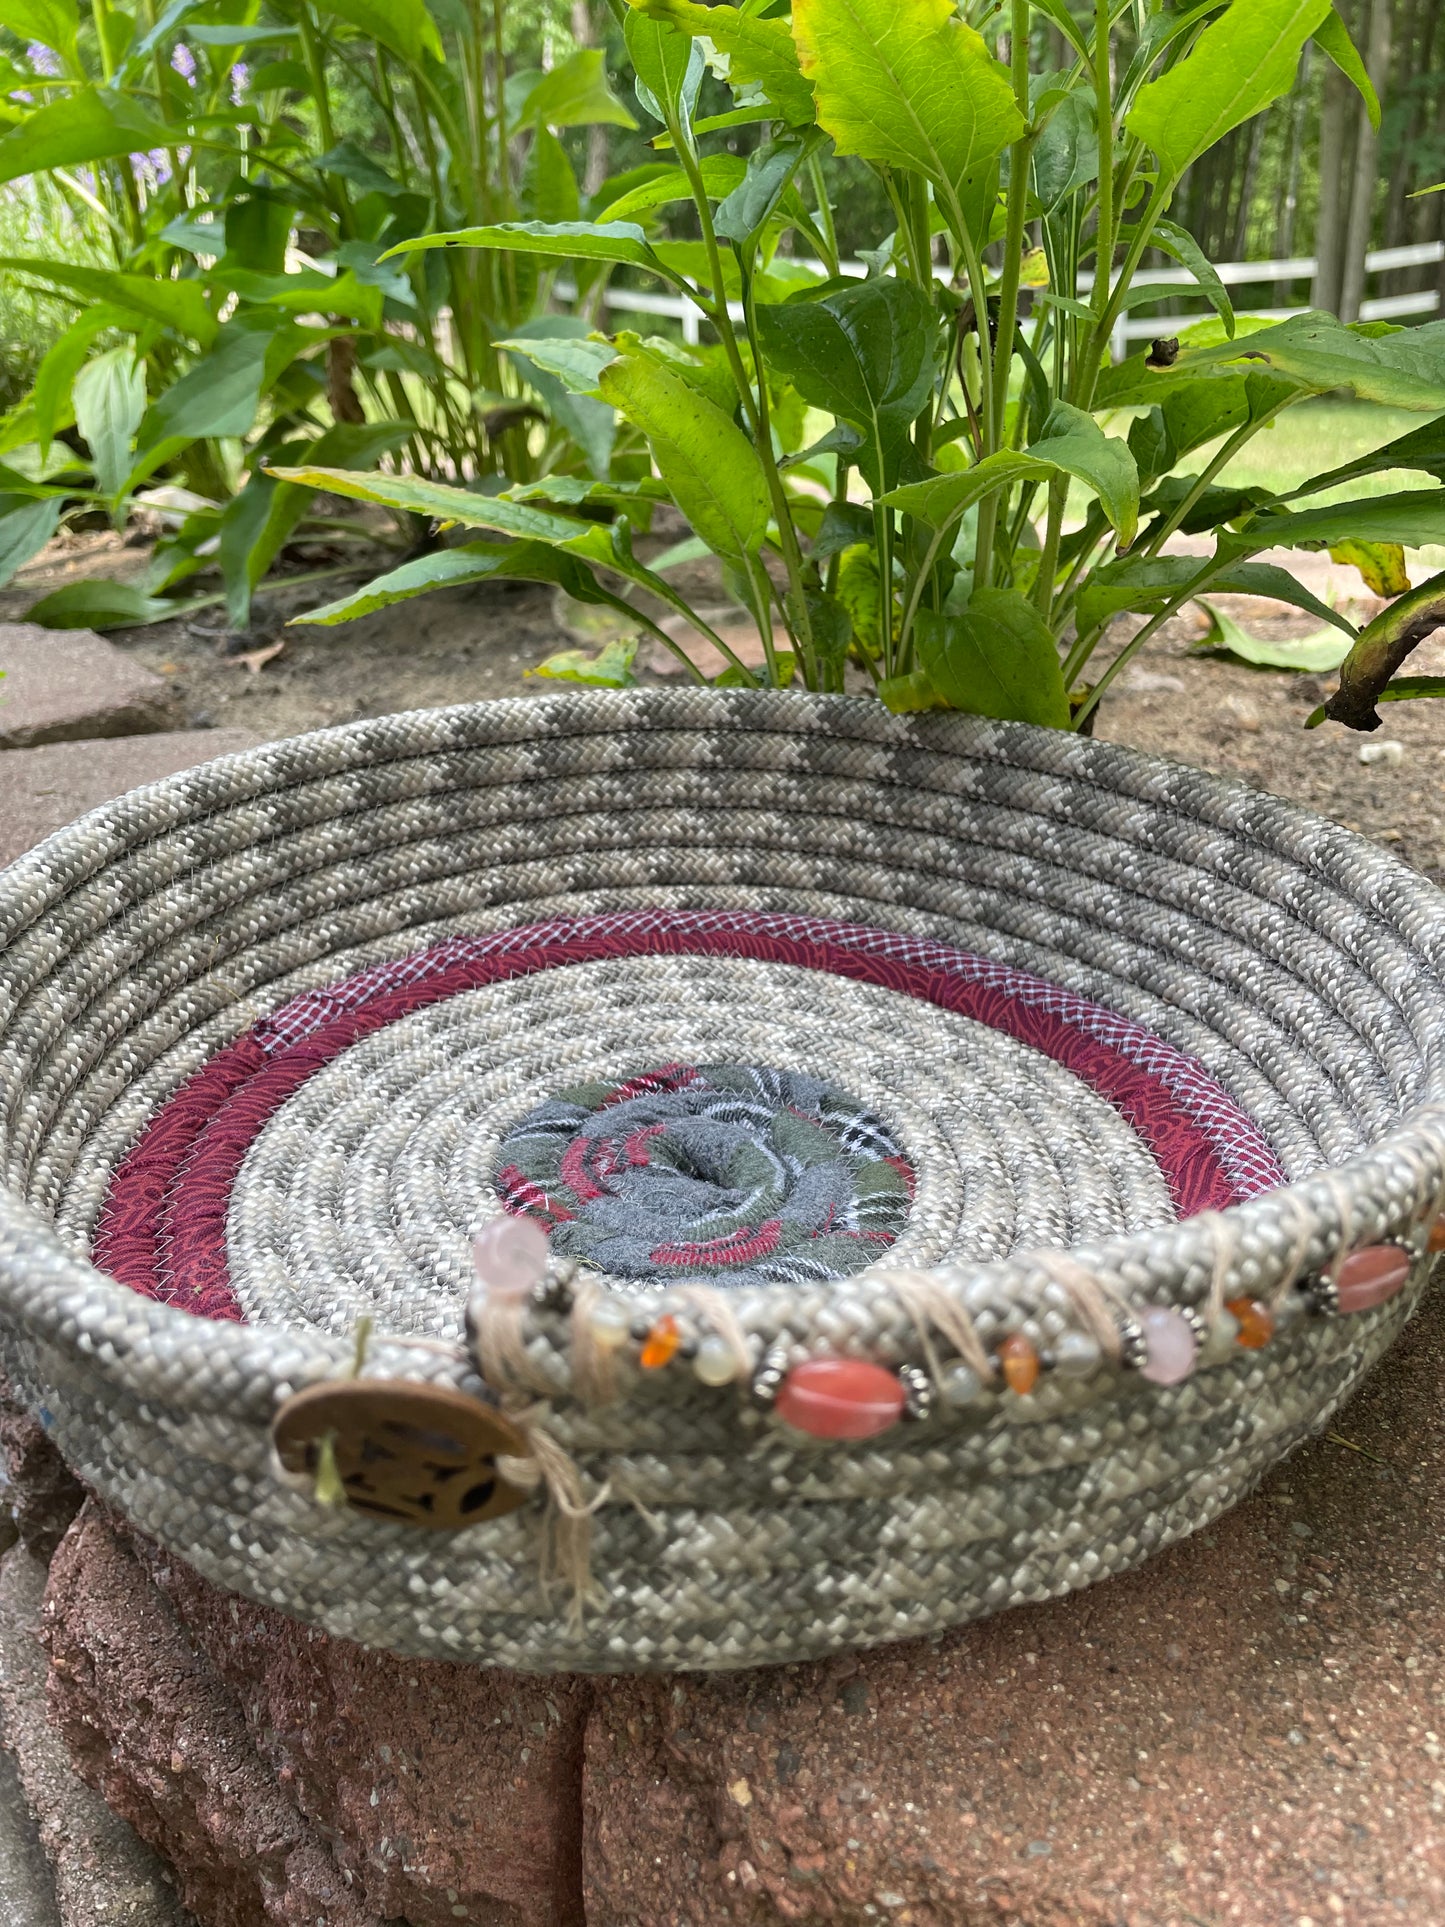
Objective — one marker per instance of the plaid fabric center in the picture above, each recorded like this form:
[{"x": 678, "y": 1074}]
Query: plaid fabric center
[{"x": 728, "y": 1171}]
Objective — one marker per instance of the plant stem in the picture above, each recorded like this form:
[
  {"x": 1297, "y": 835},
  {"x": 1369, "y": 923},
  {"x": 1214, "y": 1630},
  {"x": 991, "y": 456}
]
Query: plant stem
[
  {"x": 1213, "y": 567},
  {"x": 754, "y": 407},
  {"x": 825, "y": 213},
  {"x": 1231, "y": 448},
  {"x": 1053, "y": 534}
]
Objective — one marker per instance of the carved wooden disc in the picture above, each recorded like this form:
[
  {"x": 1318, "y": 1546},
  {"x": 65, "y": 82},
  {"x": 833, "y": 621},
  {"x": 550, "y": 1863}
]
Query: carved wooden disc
[{"x": 422, "y": 1455}]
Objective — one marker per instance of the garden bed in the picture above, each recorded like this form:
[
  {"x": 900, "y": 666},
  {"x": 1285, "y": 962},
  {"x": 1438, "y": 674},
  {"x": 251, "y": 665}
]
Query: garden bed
[{"x": 472, "y": 644}]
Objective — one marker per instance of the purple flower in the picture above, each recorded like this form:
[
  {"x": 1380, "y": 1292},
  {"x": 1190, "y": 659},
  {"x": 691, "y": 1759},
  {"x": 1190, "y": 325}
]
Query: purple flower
[
  {"x": 154, "y": 168},
  {"x": 240, "y": 81},
  {"x": 183, "y": 60},
  {"x": 42, "y": 60}
]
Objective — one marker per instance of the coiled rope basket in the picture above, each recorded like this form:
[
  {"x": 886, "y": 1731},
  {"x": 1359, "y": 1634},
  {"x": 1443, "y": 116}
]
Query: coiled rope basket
[{"x": 970, "y": 1155}]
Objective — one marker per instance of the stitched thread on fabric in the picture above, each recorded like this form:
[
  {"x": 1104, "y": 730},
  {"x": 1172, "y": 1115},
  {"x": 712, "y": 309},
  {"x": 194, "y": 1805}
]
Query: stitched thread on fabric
[{"x": 162, "y": 1231}]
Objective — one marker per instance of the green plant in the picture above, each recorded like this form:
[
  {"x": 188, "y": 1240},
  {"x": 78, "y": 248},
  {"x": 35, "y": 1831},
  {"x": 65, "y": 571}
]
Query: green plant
[
  {"x": 883, "y": 468},
  {"x": 241, "y": 170}
]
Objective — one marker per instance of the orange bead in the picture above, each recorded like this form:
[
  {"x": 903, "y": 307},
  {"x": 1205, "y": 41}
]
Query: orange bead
[
  {"x": 1256, "y": 1322},
  {"x": 1436, "y": 1240},
  {"x": 1020, "y": 1361},
  {"x": 662, "y": 1344}
]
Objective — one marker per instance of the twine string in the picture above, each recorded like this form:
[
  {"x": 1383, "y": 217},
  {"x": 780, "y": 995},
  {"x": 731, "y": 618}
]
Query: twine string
[{"x": 930, "y": 1303}]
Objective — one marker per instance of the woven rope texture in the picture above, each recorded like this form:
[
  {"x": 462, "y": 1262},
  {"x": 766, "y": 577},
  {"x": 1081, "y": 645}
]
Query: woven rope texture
[{"x": 984, "y": 1028}]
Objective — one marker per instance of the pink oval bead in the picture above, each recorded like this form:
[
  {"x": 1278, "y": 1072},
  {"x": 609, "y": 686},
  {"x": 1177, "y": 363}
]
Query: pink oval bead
[
  {"x": 1371, "y": 1277},
  {"x": 839, "y": 1398},
  {"x": 1170, "y": 1345},
  {"x": 510, "y": 1255}
]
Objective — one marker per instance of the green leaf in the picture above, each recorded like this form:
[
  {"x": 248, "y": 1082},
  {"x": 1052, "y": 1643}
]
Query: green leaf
[
  {"x": 352, "y": 163},
  {"x": 1242, "y": 62},
  {"x": 997, "y": 658},
  {"x": 1381, "y": 565},
  {"x": 99, "y": 605},
  {"x": 439, "y": 501},
  {"x": 26, "y": 525},
  {"x": 238, "y": 36},
  {"x": 575, "y": 361},
  {"x": 1201, "y": 412},
  {"x": 258, "y": 230},
  {"x": 867, "y": 353},
  {"x": 1414, "y": 519},
  {"x": 458, "y": 568},
  {"x": 1317, "y": 654},
  {"x": 549, "y": 185},
  {"x": 908, "y": 695},
  {"x": 721, "y": 173},
  {"x": 1181, "y": 246},
  {"x": 403, "y": 25},
  {"x": 180, "y": 305},
  {"x": 554, "y": 355},
  {"x": 904, "y": 83},
  {"x": 305, "y": 292},
  {"x": 1332, "y": 37},
  {"x": 575, "y": 491},
  {"x": 1406, "y": 689},
  {"x": 709, "y": 465},
  {"x": 52, "y": 22},
  {"x": 943, "y": 498},
  {"x": 55, "y": 377},
  {"x": 668, "y": 65},
  {"x": 1074, "y": 442},
  {"x": 87, "y": 125},
  {"x": 576, "y": 94},
  {"x": 611, "y": 668},
  {"x": 1404, "y": 368},
  {"x": 760, "y": 53},
  {"x": 751, "y": 203},
  {"x": 110, "y": 400},
  {"x": 1066, "y": 154},
  {"x": 620, "y": 241},
  {"x": 1146, "y": 583},
  {"x": 260, "y": 520},
  {"x": 219, "y": 395}
]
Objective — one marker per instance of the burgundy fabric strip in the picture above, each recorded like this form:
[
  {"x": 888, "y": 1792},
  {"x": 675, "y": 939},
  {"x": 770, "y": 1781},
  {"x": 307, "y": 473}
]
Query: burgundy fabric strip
[{"x": 163, "y": 1228}]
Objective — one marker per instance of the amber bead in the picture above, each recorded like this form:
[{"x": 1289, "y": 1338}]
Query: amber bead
[
  {"x": 1255, "y": 1320},
  {"x": 661, "y": 1345},
  {"x": 1436, "y": 1240},
  {"x": 1018, "y": 1356}
]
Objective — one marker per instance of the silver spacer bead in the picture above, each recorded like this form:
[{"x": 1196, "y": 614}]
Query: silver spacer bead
[
  {"x": 768, "y": 1379},
  {"x": 1321, "y": 1296},
  {"x": 917, "y": 1391},
  {"x": 1133, "y": 1346},
  {"x": 554, "y": 1292}
]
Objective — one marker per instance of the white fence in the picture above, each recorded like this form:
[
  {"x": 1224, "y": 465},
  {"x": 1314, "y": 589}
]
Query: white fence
[{"x": 1131, "y": 327}]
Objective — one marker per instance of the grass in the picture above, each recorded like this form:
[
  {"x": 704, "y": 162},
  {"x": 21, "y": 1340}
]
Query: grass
[
  {"x": 1316, "y": 436},
  {"x": 36, "y": 222}
]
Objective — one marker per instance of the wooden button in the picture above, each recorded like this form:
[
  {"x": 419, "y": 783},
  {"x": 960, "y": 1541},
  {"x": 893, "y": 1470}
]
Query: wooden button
[{"x": 422, "y": 1455}]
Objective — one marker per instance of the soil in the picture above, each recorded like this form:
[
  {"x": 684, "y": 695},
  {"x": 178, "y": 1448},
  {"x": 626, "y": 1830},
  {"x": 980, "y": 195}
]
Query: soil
[{"x": 465, "y": 646}]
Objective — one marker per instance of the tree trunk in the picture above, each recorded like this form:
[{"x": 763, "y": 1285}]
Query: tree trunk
[
  {"x": 1362, "y": 193},
  {"x": 1298, "y": 108},
  {"x": 1329, "y": 220},
  {"x": 595, "y": 167},
  {"x": 1245, "y": 190},
  {"x": 1414, "y": 29}
]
